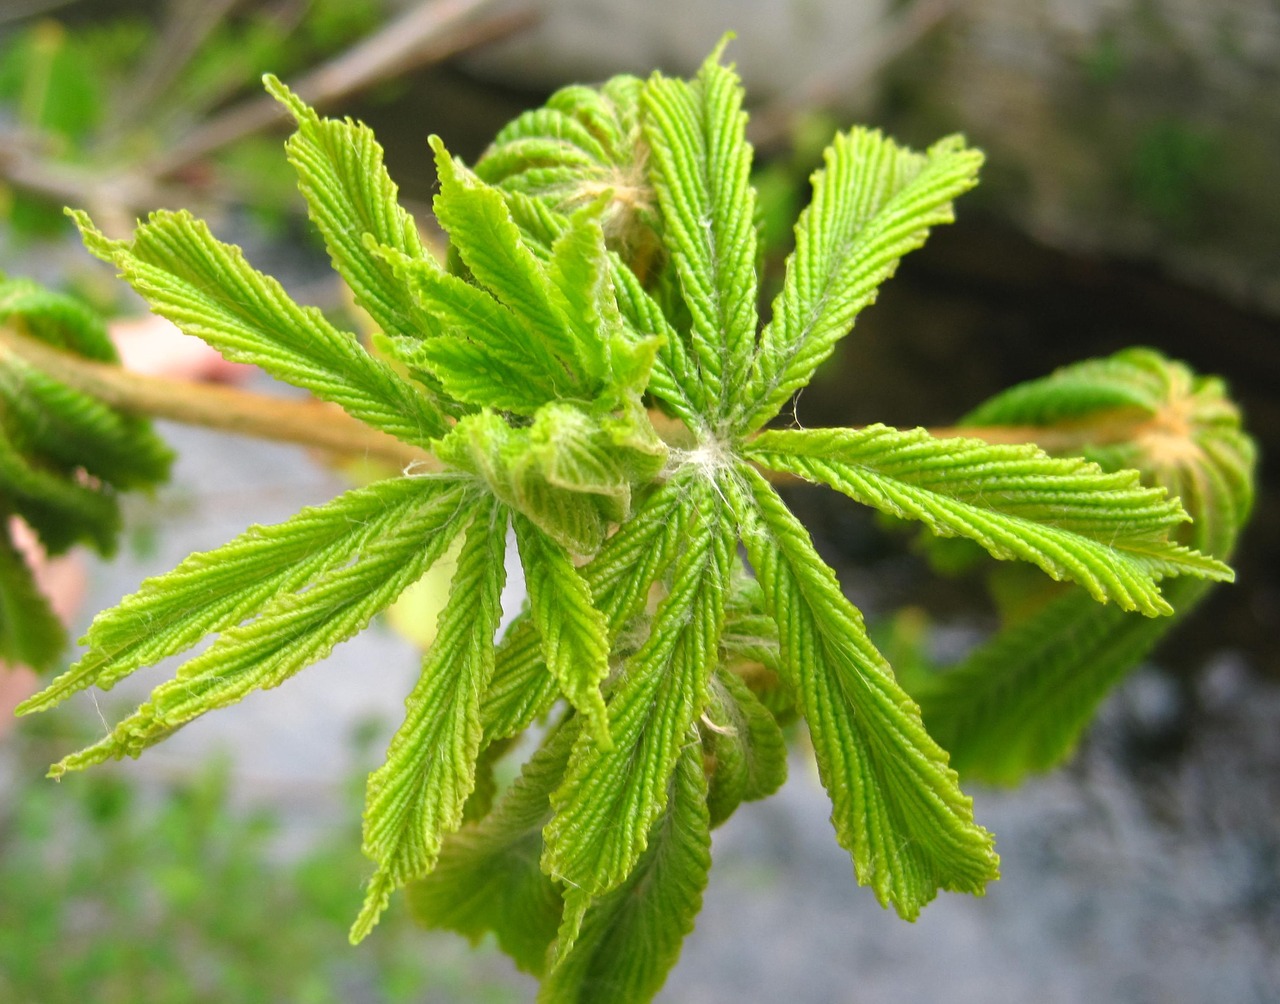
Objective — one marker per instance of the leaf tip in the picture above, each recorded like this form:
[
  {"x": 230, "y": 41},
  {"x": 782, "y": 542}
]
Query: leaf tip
[
  {"x": 299, "y": 109},
  {"x": 94, "y": 239},
  {"x": 375, "y": 901}
]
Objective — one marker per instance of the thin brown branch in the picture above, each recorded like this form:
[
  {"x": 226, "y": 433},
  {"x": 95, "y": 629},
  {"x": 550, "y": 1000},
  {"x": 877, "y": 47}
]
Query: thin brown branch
[
  {"x": 228, "y": 409},
  {"x": 188, "y": 24},
  {"x": 425, "y": 34},
  {"x": 1114, "y": 425},
  {"x": 16, "y": 10}
]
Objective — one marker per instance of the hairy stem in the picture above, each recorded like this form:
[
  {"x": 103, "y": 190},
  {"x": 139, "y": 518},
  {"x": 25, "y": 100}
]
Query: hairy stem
[{"x": 245, "y": 413}]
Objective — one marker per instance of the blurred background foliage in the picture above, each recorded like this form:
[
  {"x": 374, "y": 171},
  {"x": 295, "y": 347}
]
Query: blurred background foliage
[{"x": 118, "y": 892}]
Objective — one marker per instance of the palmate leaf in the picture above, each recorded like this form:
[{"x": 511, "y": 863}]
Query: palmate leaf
[
  {"x": 1020, "y": 703},
  {"x": 610, "y": 798},
  {"x": 1103, "y": 530},
  {"x": 613, "y": 271},
  {"x": 207, "y": 289},
  {"x": 897, "y": 806},
  {"x": 701, "y": 167},
  {"x": 625, "y": 942},
  {"x": 419, "y": 793},
  {"x": 873, "y": 202}
]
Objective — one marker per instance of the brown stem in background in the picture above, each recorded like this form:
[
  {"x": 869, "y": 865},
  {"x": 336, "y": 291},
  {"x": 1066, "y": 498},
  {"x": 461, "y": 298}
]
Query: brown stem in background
[
  {"x": 1115, "y": 425},
  {"x": 425, "y": 34},
  {"x": 306, "y": 422}
]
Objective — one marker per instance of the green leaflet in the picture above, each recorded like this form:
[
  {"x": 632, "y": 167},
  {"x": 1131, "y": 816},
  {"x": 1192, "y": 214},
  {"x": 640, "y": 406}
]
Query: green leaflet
[
  {"x": 742, "y": 745},
  {"x": 872, "y": 203},
  {"x": 30, "y": 632},
  {"x": 585, "y": 145},
  {"x": 72, "y": 430},
  {"x": 701, "y": 164},
  {"x": 619, "y": 577},
  {"x": 575, "y": 640},
  {"x": 897, "y": 806},
  {"x": 482, "y": 354},
  {"x": 568, "y": 472},
  {"x": 51, "y": 435},
  {"x": 60, "y": 509},
  {"x": 352, "y": 201},
  {"x": 671, "y": 380},
  {"x": 208, "y": 289},
  {"x": 625, "y": 942},
  {"x": 610, "y": 798},
  {"x": 310, "y": 609},
  {"x": 216, "y": 590},
  {"x": 1020, "y": 702},
  {"x": 487, "y": 877},
  {"x": 1103, "y": 530},
  {"x": 419, "y": 793},
  {"x": 488, "y": 242}
]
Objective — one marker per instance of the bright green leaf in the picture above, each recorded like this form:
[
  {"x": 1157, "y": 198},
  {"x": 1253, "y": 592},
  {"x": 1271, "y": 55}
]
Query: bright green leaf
[
  {"x": 284, "y": 573},
  {"x": 208, "y": 289},
  {"x": 575, "y": 640},
  {"x": 418, "y": 795},
  {"x": 610, "y": 799},
  {"x": 487, "y": 877},
  {"x": 352, "y": 201},
  {"x": 619, "y": 577},
  {"x": 700, "y": 168},
  {"x": 896, "y": 805},
  {"x": 1103, "y": 530},
  {"x": 873, "y": 202},
  {"x": 626, "y": 942},
  {"x": 488, "y": 242}
]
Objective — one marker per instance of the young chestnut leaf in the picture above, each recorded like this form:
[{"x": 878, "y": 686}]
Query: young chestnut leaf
[
  {"x": 602, "y": 261},
  {"x": 1020, "y": 702}
]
